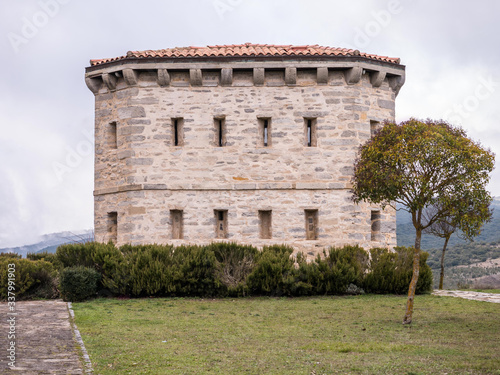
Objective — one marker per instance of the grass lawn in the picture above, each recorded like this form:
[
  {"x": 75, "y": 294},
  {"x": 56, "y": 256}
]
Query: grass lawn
[{"x": 317, "y": 335}]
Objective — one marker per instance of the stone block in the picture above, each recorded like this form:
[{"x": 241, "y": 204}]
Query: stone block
[
  {"x": 388, "y": 104},
  {"x": 131, "y": 112},
  {"x": 140, "y": 161}
]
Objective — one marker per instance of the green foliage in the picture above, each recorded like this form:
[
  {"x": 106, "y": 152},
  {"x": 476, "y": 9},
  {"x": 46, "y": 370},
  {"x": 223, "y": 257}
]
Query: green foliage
[
  {"x": 234, "y": 263},
  {"x": 274, "y": 272},
  {"x": 32, "y": 279},
  {"x": 10, "y": 256},
  {"x": 77, "y": 254},
  {"x": 339, "y": 268},
  {"x": 196, "y": 271},
  {"x": 465, "y": 254},
  {"x": 110, "y": 262},
  {"x": 151, "y": 269},
  {"x": 49, "y": 257},
  {"x": 78, "y": 283},
  {"x": 222, "y": 269},
  {"x": 420, "y": 164},
  {"x": 391, "y": 272}
]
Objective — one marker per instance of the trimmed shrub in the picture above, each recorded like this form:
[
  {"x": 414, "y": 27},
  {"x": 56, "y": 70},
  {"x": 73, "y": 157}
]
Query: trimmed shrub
[
  {"x": 110, "y": 263},
  {"x": 274, "y": 272},
  {"x": 425, "y": 281},
  {"x": 151, "y": 269},
  {"x": 78, "y": 283},
  {"x": 222, "y": 269},
  {"x": 339, "y": 268},
  {"x": 306, "y": 276},
  {"x": 49, "y": 257},
  {"x": 391, "y": 272},
  {"x": 195, "y": 272},
  {"x": 77, "y": 254},
  {"x": 234, "y": 263},
  {"x": 33, "y": 279}
]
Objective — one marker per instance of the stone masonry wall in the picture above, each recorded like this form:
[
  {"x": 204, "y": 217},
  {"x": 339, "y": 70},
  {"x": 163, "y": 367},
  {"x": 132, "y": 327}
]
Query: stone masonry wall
[
  {"x": 144, "y": 217},
  {"x": 146, "y": 176}
]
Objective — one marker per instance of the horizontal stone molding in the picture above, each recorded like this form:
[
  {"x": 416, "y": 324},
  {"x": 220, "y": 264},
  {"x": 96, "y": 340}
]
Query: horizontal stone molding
[
  {"x": 129, "y": 74},
  {"x": 229, "y": 187}
]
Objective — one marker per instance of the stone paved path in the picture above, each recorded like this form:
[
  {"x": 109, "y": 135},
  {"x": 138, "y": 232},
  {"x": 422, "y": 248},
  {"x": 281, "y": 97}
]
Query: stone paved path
[
  {"x": 476, "y": 296},
  {"x": 44, "y": 339}
]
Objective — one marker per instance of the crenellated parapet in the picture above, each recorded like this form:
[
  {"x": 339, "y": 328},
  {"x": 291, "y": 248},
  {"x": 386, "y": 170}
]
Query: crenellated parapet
[
  {"x": 210, "y": 69},
  {"x": 272, "y": 74}
]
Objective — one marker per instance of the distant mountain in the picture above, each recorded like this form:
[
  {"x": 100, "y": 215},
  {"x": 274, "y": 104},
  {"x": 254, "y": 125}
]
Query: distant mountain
[
  {"x": 490, "y": 233},
  {"x": 50, "y": 242}
]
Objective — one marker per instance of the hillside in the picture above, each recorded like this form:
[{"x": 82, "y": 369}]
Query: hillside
[
  {"x": 50, "y": 242},
  {"x": 465, "y": 262},
  {"x": 406, "y": 232}
]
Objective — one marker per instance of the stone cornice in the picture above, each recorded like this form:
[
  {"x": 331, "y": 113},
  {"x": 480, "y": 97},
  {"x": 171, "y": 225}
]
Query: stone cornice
[
  {"x": 229, "y": 187},
  {"x": 106, "y": 76}
]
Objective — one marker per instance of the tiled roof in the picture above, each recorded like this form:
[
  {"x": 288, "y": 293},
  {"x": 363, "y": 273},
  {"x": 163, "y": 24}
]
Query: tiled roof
[{"x": 247, "y": 49}]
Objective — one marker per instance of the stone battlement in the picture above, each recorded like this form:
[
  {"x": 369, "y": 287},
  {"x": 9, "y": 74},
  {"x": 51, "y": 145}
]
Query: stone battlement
[{"x": 182, "y": 75}]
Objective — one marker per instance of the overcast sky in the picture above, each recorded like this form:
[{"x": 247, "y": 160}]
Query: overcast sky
[{"x": 450, "y": 48}]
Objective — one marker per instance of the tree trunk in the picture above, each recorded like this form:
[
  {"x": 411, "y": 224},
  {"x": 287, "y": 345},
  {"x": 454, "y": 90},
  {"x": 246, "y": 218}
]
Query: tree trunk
[
  {"x": 441, "y": 276},
  {"x": 413, "y": 284}
]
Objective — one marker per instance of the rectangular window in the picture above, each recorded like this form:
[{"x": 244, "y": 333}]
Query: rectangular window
[
  {"x": 221, "y": 224},
  {"x": 111, "y": 136},
  {"x": 310, "y": 132},
  {"x": 311, "y": 224},
  {"x": 177, "y": 224},
  {"x": 112, "y": 226},
  {"x": 220, "y": 131},
  {"x": 374, "y": 126},
  {"x": 265, "y": 132},
  {"x": 375, "y": 223},
  {"x": 265, "y": 218},
  {"x": 177, "y": 132}
]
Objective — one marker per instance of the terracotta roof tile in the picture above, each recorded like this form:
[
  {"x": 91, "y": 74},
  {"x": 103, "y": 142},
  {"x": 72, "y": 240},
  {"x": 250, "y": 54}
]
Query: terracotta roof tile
[{"x": 247, "y": 49}]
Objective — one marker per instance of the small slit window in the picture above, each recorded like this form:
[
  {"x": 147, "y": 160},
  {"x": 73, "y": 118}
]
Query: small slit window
[
  {"x": 310, "y": 132},
  {"x": 221, "y": 224},
  {"x": 220, "y": 131},
  {"x": 112, "y": 226},
  {"x": 265, "y": 218},
  {"x": 375, "y": 225},
  {"x": 177, "y": 132},
  {"x": 374, "y": 127},
  {"x": 111, "y": 135},
  {"x": 177, "y": 224},
  {"x": 311, "y": 224},
  {"x": 265, "y": 132}
]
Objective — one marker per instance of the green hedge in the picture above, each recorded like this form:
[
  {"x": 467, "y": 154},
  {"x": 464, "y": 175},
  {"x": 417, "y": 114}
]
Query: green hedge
[
  {"x": 230, "y": 269},
  {"x": 31, "y": 279},
  {"x": 78, "y": 283},
  {"x": 274, "y": 272},
  {"x": 49, "y": 257},
  {"x": 391, "y": 272}
]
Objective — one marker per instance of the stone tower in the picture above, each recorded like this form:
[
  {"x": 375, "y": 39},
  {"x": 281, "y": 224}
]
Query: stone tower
[{"x": 247, "y": 143}]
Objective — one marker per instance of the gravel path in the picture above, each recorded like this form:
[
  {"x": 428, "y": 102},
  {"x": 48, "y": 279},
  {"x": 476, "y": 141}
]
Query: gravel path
[{"x": 476, "y": 296}]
